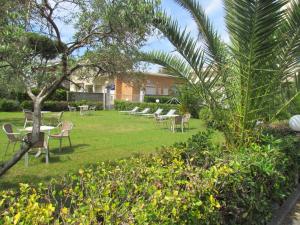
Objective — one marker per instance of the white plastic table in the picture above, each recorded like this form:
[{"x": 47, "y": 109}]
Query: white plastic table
[
  {"x": 42, "y": 129},
  {"x": 44, "y": 112},
  {"x": 83, "y": 109}
]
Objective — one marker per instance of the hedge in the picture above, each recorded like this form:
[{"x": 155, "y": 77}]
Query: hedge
[
  {"x": 58, "y": 106},
  {"x": 9, "y": 105},
  {"x": 59, "y": 95},
  {"x": 124, "y": 105},
  {"x": 190, "y": 183},
  {"x": 54, "y": 106},
  {"x": 162, "y": 99}
]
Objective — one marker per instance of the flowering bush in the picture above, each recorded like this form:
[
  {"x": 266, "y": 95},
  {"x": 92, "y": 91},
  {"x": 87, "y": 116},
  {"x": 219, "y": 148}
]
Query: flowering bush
[{"x": 178, "y": 185}]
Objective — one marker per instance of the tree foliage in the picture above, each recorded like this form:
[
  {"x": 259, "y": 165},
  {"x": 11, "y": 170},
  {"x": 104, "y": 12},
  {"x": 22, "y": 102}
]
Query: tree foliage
[
  {"x": 241, "y": 82},
  {"x": 36, "y": 51}
]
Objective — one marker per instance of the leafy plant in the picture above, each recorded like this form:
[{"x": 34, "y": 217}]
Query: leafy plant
[
  {"x": 241, "y": 82},
  {"x": 58, "y": 106},
  {"x": 153, "y": 98},
  {"x": 189, "y": 100},
  {"x": 9, "y": 105},
  {"x": 193, "y": 183}
]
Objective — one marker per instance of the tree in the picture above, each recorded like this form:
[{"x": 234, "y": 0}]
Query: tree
[
  {"x": 34, "y": 53},
  {"x": 241, "y": 82}
]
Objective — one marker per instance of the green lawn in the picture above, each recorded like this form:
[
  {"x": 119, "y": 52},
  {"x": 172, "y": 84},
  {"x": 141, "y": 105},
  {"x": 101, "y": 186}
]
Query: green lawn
[{"x": 104, "y": 135}]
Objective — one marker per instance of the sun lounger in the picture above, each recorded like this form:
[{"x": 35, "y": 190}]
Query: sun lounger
[
  {"x": 146, "y": 110},
  {"x": 157, "y": 112},
  {"x": 170, "y": 114},
  {"x": 135, "y": 109}
]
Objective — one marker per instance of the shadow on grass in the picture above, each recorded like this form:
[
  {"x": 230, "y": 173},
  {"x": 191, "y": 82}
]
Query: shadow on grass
[
  {"x": 178, "y": 130},
  {"x": 30, "y": 179},
  {"x": 66, "y": 149},
  {"x": 55, "y": 157}
]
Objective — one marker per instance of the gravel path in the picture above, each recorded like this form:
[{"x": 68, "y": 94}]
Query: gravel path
[{"x": 294, "y": 217}]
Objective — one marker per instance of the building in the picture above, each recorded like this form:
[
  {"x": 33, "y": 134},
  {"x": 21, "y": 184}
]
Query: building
[{"x": 132, "y": 88}]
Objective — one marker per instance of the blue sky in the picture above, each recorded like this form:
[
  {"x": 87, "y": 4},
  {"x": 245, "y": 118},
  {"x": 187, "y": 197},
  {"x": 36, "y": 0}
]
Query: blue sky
[{"x": 213, "y": 8}]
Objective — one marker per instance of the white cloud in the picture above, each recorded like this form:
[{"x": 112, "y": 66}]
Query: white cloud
[{"x": 213, "y": 6}]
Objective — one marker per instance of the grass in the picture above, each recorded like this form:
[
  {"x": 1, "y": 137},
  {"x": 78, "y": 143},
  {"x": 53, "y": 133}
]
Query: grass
[{"x": 104, "y": 135}]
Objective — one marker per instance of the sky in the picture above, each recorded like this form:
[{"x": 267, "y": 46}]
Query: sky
[{"x": 214, "y": 10}]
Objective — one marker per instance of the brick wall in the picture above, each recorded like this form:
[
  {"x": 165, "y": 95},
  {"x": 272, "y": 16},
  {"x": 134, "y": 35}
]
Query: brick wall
[{"x": 131, "y": 90}]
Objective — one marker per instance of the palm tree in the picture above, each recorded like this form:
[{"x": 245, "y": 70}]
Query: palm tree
[{"x": 241, "y": 82}]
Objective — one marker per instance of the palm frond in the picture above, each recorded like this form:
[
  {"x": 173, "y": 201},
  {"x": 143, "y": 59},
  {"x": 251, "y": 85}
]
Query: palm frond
[
  {"x": 212, "y": 40},
  {"x": 252, "y": 25},
  {"x": 181, "y": 68},
  {"x": 288, "y": 56},
  {"x": 182, "y": 40}
]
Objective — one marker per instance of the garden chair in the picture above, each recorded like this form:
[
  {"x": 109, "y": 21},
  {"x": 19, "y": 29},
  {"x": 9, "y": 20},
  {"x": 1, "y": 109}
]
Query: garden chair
[
  {"x": 135, "y": 109},
  {"x": 146, "y": 110},
  {"x": 175, "y": 121},
  {"x": 13, "y": 138},
  {"x": 65, "y": 130},
  {"x": 40, "y": 144},
  {"x": 186, "y": 120},
  {"x": 92, "y": 108},
  {"x": 84, "y": 109},
  {"x": 72, "y": 108},
  {"x": 28, "y": 117},
  {"x": 160, "y": 120},
  {"x": 157, "y": 112},
  {"x": 181, "y": 121},
  {"x": 54, "y": 119}
]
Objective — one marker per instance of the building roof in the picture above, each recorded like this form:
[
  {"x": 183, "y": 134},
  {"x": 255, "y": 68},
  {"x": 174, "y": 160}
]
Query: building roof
[{"x": 159, "y": 74}]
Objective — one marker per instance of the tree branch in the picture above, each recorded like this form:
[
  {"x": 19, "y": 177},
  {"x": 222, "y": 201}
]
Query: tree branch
[
  {"x": 48, "y": 17},
  {"x": 52, "y": 87},
  {"x": 7, "y": 165}
]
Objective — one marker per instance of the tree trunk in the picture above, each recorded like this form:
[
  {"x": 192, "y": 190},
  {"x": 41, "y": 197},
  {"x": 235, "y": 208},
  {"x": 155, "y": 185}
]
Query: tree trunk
[
  {"x": 36, "y": 119},
  {"x": 25, "y": 146}
]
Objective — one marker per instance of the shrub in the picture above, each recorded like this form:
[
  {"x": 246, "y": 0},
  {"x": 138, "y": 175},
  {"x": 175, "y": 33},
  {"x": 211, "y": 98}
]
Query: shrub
[
  {"x": 293, "y": 109},
  {"x": 58, "y": 106},
  {"x": 9, "y": 105},
  {"x": 162, "y": 99},
  {"x": 27, "y": 104},
  {"x": 55, "y": 106},
  {"x": 189, "y": 100},
  {"x": 58, "y": 95},
  {"x": 124, "y": 105},
  {"x": 240, "y": 186},
  {"x": 206, "y": 115}
]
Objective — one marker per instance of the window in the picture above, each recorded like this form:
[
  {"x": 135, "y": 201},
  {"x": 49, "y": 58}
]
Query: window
[
  {"x": 166, "y": 91},
  {"x": 150, "y": 90}
]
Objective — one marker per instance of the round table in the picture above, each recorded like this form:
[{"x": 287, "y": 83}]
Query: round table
[
  {"x": 42, "y": 128},
  {"x": 83, "y": 109},
  {"x": 43, "y": 112}
]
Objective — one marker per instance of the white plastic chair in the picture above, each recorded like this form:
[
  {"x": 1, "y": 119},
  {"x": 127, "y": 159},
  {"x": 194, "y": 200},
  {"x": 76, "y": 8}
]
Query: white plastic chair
[
  {"x": 84, "y": 109},
  {"x": 135, "y": 109},
  {"x": 168, "y": 115},
  {"x": 146, "y": 110},
  {"x": 157, "y": 112}
]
